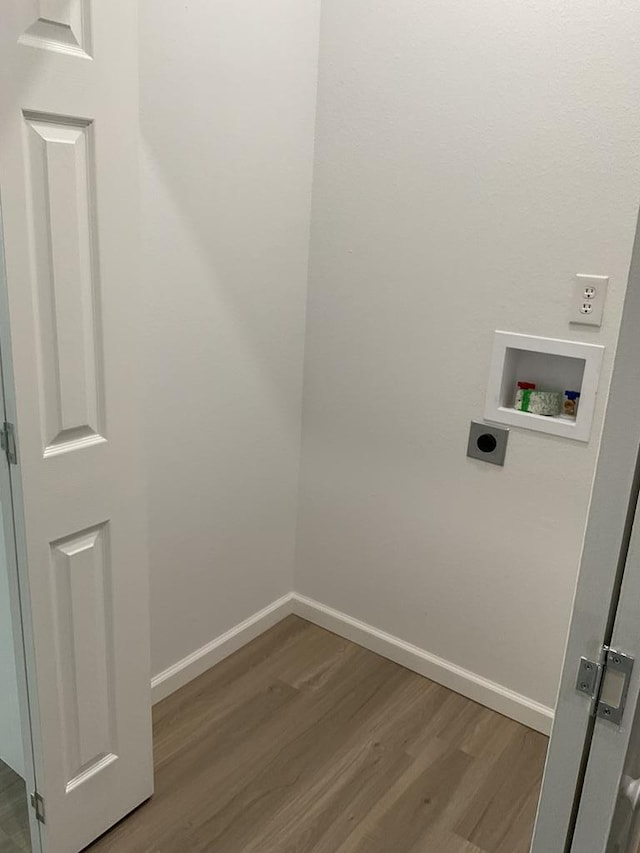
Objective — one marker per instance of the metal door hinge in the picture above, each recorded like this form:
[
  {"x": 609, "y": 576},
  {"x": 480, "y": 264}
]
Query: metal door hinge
[
  {"x": 37, "y": 803},
  {"x": 606, "y": 681},
  {"x": 8, "y": 442}
]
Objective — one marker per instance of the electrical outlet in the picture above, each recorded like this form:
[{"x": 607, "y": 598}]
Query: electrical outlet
[{"x": 589, "y": 294}]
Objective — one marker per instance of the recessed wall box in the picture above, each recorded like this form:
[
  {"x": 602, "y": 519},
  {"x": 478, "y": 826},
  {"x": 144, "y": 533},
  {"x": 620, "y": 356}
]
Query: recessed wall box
[{"x": 553, "y": 365}]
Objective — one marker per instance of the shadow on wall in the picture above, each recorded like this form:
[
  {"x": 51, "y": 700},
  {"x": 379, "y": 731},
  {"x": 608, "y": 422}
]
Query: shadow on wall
[
  {"x": 227, "y": 103},
  {"x": 225, "y": 191}
]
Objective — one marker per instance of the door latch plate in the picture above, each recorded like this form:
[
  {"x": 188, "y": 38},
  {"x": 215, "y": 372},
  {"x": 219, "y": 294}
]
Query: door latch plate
[
  {"x": 614, "y": 687},
  {"x": 606, "y": 683}
]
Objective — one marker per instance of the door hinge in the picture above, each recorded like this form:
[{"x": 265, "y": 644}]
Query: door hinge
[
  {"x": 8, "y": 442},
  {"x": 37, "y": 804},
  {"x": 606, "y": 681}
]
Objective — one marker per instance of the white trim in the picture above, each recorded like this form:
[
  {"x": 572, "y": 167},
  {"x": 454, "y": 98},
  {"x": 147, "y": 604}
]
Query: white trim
[
  {"x": 193, "y": 665},
  {"x": 444, "y": 672}
]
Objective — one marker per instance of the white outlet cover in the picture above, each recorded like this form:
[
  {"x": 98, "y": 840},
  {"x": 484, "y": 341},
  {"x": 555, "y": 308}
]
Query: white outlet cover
[{"x": 588, "y": 297}]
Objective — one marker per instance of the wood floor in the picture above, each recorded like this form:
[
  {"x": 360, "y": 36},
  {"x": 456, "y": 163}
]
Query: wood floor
[
  {"x": 14, "y": 815},
  {"x": 303, "y": 742}
]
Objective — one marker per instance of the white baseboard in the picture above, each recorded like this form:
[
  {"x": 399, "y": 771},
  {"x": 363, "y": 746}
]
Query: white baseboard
[
  {"x": 193, "y": 665},
  {"x": 473, "y": 686},
  {"x": 444, "y": 672}
]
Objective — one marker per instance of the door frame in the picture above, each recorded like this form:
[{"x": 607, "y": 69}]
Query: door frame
[
  {"x": 609, "y": 746},
  {"x": 18, "y": 579},
  {"x": 607, "y": 537}
]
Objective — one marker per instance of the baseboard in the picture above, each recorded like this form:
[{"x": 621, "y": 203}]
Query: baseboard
[
  {"x": 489, "y": 693},
  {"x": 193, "y": 665},
  {"x": 473, "y": 686}
]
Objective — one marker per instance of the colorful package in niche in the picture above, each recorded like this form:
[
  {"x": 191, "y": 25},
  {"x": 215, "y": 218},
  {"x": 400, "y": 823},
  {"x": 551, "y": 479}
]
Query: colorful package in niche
[
  {"x": 521, "y": 388},
  {"x": 570, "y": 403},
  {"x": 548, "y": 403}
]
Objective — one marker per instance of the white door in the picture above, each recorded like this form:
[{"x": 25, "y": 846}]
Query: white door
[
  {"x": 586, "y": 757},
  {"x": 68, "y": 169},
  {"x": 609, "y": 805},
  {"x": 625, "y": 825}
]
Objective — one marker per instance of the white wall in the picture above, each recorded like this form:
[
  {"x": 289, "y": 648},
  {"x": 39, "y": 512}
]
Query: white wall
[
  {"x": 227, "y": 94},
  {"x": 10, "y": 727},
  {"x": 470, "y": 158}
]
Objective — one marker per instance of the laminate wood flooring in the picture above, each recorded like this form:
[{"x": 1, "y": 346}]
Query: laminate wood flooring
[
  {"x": 303, "y": 742},
  {"x": 14, "y": 814}
]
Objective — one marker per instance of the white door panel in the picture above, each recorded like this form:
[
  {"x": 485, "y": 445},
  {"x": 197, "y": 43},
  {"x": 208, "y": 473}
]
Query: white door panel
[
  {"x": 58, "y": 25},
  {"x": 68, "y": 168}
]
